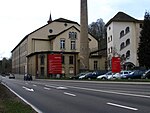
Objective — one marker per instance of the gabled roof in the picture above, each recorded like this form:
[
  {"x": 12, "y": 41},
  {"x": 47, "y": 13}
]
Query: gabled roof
[
  {"x": 57, "y": 20},
  {"x": 51, "y": 37},
  {"x": 122, "y": 17},
  {"x": 64, "y": 20}
]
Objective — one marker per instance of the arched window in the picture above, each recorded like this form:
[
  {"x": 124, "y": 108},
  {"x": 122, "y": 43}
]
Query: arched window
[
  {"x": 122, "y": 33},
  {"x": 127, "y": 30},
  {"x": 122, "y": 46},
  {"x": 128, "y": 54},
  {"x": 122, "y": 57},
  {"x": 70, "y": 34},
  {"x": 73, "y": 35},
  {"x": 127, "y": 42}
]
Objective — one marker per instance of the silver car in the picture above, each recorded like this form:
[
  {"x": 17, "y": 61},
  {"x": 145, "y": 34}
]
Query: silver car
[{"x": 106, "y": 76}]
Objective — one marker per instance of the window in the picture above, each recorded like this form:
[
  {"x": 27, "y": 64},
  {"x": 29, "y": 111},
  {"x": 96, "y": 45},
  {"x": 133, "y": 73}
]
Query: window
[
  {"x": 110, "y": 38},
  {"x": 122, "y": 46},
  {"x": 108, "y": 50},
  {"x": 127, "y": 30},
  {"x": 109, "y": 28},
  {"x": 63, "y": 59},
  {"x": 70, "y": 34},
  {"x": 141, "y": 25},
  {"x": 70, "y": 59},
  {"x": 128, "y": 54},
  {"x": 123, "y": 57},
  {"x": 42, "y": 57},
  {"x": 62, "y": 43},
  {"x": 73, "y": 35},
  {"x": 122, "y": 33},
  {"x": 111, "y": 50},
  {"x": 95, "y": 65},
  {"x": 127, "y": 42},
  {"x": 50, "y": 30},
  {"x": 73, "y": 44}
]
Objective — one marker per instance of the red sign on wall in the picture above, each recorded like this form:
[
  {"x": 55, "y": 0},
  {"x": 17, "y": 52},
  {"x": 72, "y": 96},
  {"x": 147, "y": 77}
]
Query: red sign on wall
[
  {"x": 116, "y": 67},
  {"x": 54, "y": 64}
]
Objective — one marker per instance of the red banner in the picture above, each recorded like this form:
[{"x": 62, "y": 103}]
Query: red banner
[
  {"x": 116, "y": 67},
  {"x": 54, "y": 64}
]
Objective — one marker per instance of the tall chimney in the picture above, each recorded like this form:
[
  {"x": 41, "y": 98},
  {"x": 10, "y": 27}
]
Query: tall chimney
[{"x": 84, "y": 42}]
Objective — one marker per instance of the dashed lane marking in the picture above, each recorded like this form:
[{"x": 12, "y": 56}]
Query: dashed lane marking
[
  {"x": 70, "y": 94},
  {"x": 122, "y": 106}
]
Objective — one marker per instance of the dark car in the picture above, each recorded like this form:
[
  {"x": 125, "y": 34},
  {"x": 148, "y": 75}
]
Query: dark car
[
  {"x": 11, "y": 76},
  {"x": 146, "y": 75},
  {"x": 91, "y": 76},
  {"x": 95, "y": 74},
  {"x": 27, "y": 77},
  {"x": 137, "y": 74}
]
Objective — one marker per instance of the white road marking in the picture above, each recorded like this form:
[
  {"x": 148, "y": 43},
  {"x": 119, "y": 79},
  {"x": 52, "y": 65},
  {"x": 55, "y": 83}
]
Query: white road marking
[
  {"x": 51, "y": 86},
  {"x": 70, "y": 94},
  {"x": 47, "y": 88},
  {"x": 111, "y": 92},
  {"x": 34, "y": 85},
  {"x": 28, "y": 89},
  {"x": 121, "y": 106},
  {"x": 61, "y": 88},
  {"x": 56, "y": 87}
]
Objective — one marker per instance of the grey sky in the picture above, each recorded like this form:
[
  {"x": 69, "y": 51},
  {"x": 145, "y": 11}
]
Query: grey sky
[{"x": 20, "y": 17}]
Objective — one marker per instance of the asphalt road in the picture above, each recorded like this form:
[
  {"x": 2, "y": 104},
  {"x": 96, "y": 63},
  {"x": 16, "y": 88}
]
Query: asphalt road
[{"x": 52, "y": 96}]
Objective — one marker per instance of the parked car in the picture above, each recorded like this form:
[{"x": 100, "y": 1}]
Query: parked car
[
  {"x": 137, "y": 74},
  {"x": 146, "y": 75},
  {"x": 95, "y": 74},
  {"x": 27, "y": 77},
  {"x": 77, "y": 76},
  {"x": 121, "y": 74},
  {"x": 124, "y": 73},
  {"x": 106, "y": 76},
  {"x": 11, "y": 76},
  {"x": 85, "y": 75}
]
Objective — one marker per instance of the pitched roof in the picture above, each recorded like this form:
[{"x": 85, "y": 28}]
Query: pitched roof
[
  {"x": 51, "y": 37},
  {"x": 64, "y": 20},
  {"x": 57, "y": 20},
  {"x": 121, "y": 17}
]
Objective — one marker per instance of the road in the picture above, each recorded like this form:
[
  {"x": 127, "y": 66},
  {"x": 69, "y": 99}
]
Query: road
[{"x": 55, "y": 96}]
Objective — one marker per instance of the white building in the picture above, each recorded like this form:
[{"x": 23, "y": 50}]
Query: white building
[{"x": 123, "y": 32}]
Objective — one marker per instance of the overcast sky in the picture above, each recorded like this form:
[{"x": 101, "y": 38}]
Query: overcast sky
[{"x": 20, "y": 17}]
